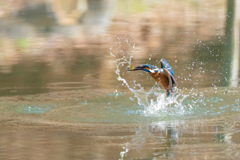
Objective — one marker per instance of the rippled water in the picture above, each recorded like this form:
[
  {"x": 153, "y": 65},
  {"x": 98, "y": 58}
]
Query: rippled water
[
  {"x": 112, "y": 126},
  {"x": 140, "y": 123},
  {"x": 65, "y": 92}
]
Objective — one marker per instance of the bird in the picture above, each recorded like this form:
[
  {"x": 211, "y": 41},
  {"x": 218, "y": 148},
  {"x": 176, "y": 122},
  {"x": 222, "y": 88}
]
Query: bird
[{"x": 163, "y": 75}]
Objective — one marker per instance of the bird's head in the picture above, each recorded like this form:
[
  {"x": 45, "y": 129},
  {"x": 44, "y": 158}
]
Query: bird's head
[{"x": 145, "y": 67}]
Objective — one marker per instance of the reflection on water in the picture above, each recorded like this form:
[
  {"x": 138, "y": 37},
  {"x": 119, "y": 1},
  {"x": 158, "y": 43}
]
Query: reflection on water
[
  {"x": 59, "y": 88},
  {"x": 212, "y": 138}
]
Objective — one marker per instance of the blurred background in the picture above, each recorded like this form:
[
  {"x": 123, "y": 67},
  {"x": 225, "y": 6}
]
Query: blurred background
[{"x": 47, "y": 42}]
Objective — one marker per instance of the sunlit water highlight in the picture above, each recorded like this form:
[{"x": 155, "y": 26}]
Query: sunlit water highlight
[{"x": 33, "y": 109}]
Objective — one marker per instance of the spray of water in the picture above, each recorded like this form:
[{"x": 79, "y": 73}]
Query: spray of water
[
  {"x": 205, "y": 102},
  {"x": 154, "y": 100},
  {"x": 195, "y": 102}
]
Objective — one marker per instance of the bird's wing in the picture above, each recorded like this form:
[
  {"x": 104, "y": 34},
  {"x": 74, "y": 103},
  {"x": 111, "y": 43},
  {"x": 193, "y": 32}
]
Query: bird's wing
[
  {"x": 164, "y": 64},
  {"x": 167, "y": 74},
  {"x": 174, "y": 82}
]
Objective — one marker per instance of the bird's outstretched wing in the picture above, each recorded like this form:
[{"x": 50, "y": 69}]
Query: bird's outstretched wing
[{"x": 164, "y": 64}]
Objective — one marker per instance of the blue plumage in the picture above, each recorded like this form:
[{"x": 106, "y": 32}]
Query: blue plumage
[
  {"x": 163, "y": 75},
  {"x": 146, "y": 67},
  {"x": 149, "y": 66},
  {"x": 164, "y": 64}
]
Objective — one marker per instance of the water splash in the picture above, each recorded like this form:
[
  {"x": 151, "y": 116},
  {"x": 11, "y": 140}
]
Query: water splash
[
  {"x": 191, "y": 102},
  {"x": 163, "y": 106},
  {"x": 124, "y": 153},
  {"x": 154, "y": 100}
]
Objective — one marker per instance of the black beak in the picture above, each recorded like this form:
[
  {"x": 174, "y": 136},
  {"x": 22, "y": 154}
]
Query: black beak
[{"x": 135, "y": 68}]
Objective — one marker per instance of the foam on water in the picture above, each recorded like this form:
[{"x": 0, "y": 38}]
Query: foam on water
[{"x": 164, "y": 106}]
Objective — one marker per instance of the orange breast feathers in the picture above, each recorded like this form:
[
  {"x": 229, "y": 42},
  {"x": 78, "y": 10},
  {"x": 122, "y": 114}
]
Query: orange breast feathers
[{"x": 163, "y": 78}]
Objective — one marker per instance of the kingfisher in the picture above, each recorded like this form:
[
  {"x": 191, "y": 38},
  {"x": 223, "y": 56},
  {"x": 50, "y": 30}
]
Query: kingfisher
[{"x": 163, "y": 75}]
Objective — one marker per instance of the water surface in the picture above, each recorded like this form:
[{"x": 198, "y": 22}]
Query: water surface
[{"x": 65, "y": 92}]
